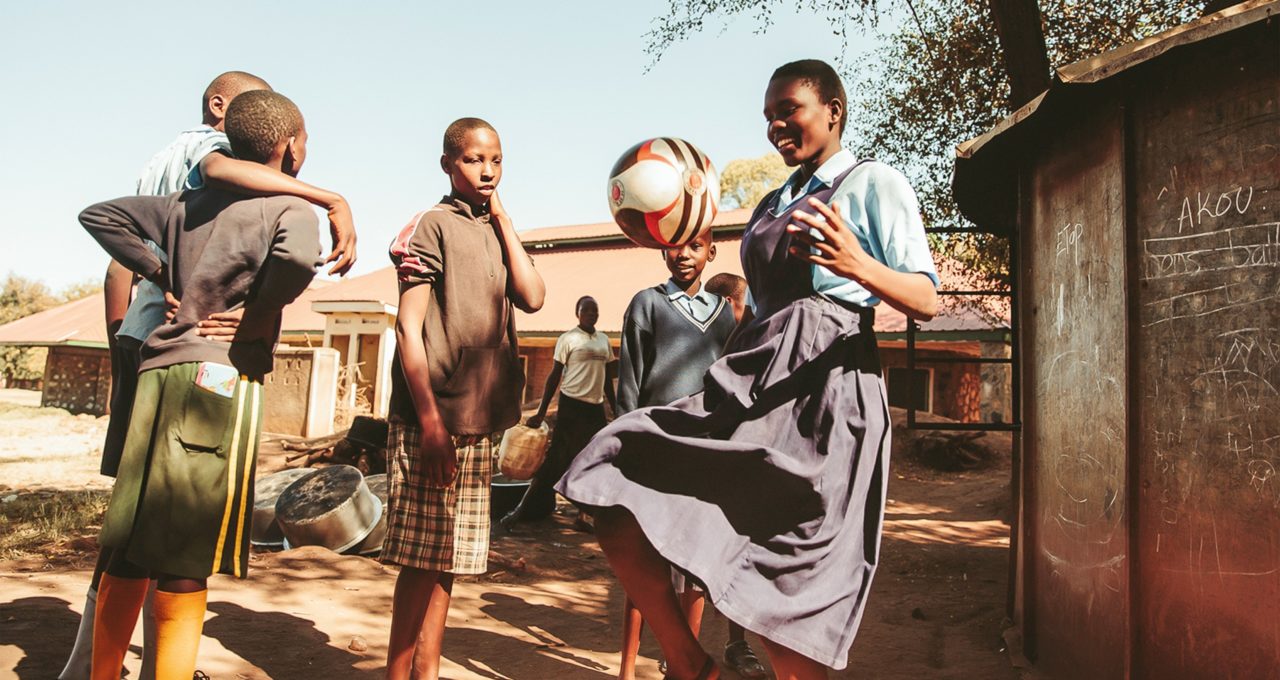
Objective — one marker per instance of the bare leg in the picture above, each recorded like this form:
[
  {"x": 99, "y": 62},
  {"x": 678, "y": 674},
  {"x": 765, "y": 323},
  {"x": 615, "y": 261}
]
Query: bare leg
[
  {"x": 647, "y": 580},
  {"x": 737, "y": 633},
  {"x": 791, "y": 665},
  {"x": 427, "y": 654},
  {"x": 419, "y": 609},
  {"x": 632, "y": 624},
  {"x": 693, "y": 603}
]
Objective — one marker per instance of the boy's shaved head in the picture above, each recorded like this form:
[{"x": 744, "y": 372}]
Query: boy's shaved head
[
  {"x": 728, "y": 285},
  {"x": 456, "y": 134},
  {"x": 258, "y": 121},
  {"x": 229, "y": 85}
]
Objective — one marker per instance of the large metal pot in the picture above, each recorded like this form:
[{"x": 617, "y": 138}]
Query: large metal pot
[
  {"x": 266, "y": 491},
  {"x": 333, "y": 508},
  {"x": 373, "y": 542}
]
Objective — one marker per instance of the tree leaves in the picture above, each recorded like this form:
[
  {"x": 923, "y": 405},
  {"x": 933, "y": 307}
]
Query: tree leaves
[
  {"x": 745, "y": 181},
  {"x": 937, "y": 82}
]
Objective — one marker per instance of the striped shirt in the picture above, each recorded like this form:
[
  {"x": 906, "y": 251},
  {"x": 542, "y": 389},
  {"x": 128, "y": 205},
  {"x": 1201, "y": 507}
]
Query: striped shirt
[{"x": 175, "y": 168}]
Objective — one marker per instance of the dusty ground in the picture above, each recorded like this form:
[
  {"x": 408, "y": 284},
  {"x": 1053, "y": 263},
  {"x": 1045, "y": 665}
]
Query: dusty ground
[{"x": 935, "y": 610}]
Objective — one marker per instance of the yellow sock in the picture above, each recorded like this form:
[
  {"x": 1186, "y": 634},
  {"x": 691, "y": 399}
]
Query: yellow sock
[
  {"x": 179, "y": 622},
  {"x": 119, "y": 601}
]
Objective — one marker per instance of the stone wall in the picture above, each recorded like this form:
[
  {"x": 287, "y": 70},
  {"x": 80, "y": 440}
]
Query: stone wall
[
  {"x": 78, "y": 379},
  {"x": 957, "y": 388},
  {"x": 301, "y": 392}
]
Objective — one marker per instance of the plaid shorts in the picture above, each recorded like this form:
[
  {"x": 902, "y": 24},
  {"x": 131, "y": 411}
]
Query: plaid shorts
[{"x": 438, "y": 528}]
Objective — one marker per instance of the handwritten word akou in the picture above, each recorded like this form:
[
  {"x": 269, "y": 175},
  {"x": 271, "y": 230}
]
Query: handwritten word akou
[{"x": 1206, "y": 205}]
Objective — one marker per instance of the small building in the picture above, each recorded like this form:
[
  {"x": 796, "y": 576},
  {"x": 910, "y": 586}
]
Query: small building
[
  {"x": 77, "y": 375},
  {"x": 338, "y": 338},
  {"x": 597, "y": 260},
  {"x": 1142, "y": 193}
]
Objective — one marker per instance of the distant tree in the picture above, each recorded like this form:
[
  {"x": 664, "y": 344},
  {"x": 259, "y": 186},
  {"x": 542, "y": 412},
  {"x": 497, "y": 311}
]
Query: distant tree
[
  {"x": 20, "y": 297},
  {"x": 81, "y": 289},
  {"x": 938, "y": 80},
  {"x": 745, "y": 181}
]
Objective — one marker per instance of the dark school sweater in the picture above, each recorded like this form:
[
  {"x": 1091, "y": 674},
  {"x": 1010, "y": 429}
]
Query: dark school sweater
[
  {"x": 665, "y": 353},
  {"x": 225, "y": 251},
  {"x": 469, "y": 330}
]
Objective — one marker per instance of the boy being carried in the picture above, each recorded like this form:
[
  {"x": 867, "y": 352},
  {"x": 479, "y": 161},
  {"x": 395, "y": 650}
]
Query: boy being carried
[
  {"x": 181, "y": 507},
  {"x": 199, "y": 155}
]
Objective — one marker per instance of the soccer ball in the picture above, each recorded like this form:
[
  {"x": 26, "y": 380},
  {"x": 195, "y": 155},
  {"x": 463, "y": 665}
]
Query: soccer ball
[{"x": 664, "y": 192}]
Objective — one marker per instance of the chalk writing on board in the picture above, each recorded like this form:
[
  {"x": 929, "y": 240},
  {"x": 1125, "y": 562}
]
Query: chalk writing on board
[
  {"x": 1254, "y": 247},
  {"x": 1209, "y": 205},
  {"x": 1068, "y": 241}
]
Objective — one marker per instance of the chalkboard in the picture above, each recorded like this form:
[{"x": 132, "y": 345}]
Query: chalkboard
[
  {"x": 1206, "y": 200},
  {"x": 1075, "y": 373}
]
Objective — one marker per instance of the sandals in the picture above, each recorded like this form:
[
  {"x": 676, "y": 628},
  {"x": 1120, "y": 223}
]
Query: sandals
[{"x": 740, "y": 659}]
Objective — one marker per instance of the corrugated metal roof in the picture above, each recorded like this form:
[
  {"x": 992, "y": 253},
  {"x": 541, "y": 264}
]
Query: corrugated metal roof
[
  {"x": 612, "y": 273},
  {"x": 78, "y": 322}
]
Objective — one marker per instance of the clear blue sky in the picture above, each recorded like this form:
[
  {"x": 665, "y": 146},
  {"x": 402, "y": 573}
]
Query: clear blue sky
[{"x": 94, "y": 89}]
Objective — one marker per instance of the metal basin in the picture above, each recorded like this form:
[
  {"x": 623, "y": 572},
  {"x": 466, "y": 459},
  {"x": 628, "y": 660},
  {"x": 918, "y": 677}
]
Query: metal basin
[
  {"x": 373, "y": 542},
  {"x": 333, "y": 508},
  {"x": 506, "y": 494},
  {"x": 266, "y": 491}
]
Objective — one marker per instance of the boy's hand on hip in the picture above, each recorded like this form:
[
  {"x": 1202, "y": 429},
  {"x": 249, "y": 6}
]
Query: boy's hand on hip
[
  {"x": 220, "y": 327},
  {"x": 439, "y": 457},
  {"x": 171, "y": 306},
  {"x": 342, "y": 229}
]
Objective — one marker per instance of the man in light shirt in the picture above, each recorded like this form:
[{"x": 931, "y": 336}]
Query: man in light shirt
[{"x": 581, "y": 376}]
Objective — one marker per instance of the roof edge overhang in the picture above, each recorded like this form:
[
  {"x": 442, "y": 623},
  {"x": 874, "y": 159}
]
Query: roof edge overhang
[
  {"x": 986, "y": 168},
  {"x": 90, "y": 344}
]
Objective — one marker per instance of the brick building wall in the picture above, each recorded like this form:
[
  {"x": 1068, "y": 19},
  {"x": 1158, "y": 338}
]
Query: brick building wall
[
  {"x": 955, "y": 389},
  {"x": 78, "y": 379}
]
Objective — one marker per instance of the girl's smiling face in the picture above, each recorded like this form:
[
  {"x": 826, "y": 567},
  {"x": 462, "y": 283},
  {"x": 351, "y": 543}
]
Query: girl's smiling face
[{"x": 804, "y": 129}]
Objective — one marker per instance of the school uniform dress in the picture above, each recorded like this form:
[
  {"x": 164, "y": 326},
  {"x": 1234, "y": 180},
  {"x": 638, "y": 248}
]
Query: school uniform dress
[
  {"x": 174, "y": 168},
  {"x": 579, "y": 414},
  {"x": 182, "y": 503},
  {"x": 476, "y": 377},
  {"x": 768, "y": 487}
]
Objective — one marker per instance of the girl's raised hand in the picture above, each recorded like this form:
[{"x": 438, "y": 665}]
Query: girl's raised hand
[{"x": 838, "y": 248}]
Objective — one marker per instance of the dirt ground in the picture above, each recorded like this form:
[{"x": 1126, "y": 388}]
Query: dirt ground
[{"x": 935, "y": 611}]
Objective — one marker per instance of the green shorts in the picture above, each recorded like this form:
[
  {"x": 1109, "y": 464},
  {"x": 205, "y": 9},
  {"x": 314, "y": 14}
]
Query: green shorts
[{"x": 183, "y": 499}]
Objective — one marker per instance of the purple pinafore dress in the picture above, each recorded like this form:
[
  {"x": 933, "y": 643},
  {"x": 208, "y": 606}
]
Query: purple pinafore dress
[{"x": 768, "y": 486}]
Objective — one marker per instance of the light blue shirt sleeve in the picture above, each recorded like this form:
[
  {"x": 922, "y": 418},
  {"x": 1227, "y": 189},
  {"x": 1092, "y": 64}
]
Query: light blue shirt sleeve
[
  {"x": 881, "y": 209},
  {"x": 216, "y": 142}
]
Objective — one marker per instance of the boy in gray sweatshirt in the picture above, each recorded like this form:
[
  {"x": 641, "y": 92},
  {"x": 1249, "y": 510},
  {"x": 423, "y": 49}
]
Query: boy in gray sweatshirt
[{"x": 181, "y": 506}]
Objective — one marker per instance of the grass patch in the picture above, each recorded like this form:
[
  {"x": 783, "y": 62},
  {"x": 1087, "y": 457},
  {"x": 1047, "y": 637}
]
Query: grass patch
[
  {"x": 49, "y": 523},
  {"x": 11, "y": 411}
]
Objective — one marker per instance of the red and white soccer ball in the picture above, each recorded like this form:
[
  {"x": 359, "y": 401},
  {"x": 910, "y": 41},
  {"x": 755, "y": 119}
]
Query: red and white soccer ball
[{"x": 664, "y": 192}]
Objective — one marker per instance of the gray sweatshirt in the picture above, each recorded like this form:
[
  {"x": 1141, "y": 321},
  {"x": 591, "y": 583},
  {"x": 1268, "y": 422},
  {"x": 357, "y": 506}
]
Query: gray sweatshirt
[
  {"x": 665, "y": 353},
  {"x": 225, "y": 251}
]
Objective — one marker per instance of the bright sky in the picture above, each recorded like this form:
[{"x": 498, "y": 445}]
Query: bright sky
[{"x": 94, "y": 89}]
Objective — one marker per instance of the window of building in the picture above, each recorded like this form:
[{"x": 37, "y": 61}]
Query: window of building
[{"x": 905, "y": 385}]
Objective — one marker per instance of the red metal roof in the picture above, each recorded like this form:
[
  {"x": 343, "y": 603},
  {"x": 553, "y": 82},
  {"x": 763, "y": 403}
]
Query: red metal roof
[
  {"x": 612, "y": 270},
  {"x": 80, "y": 321}
]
